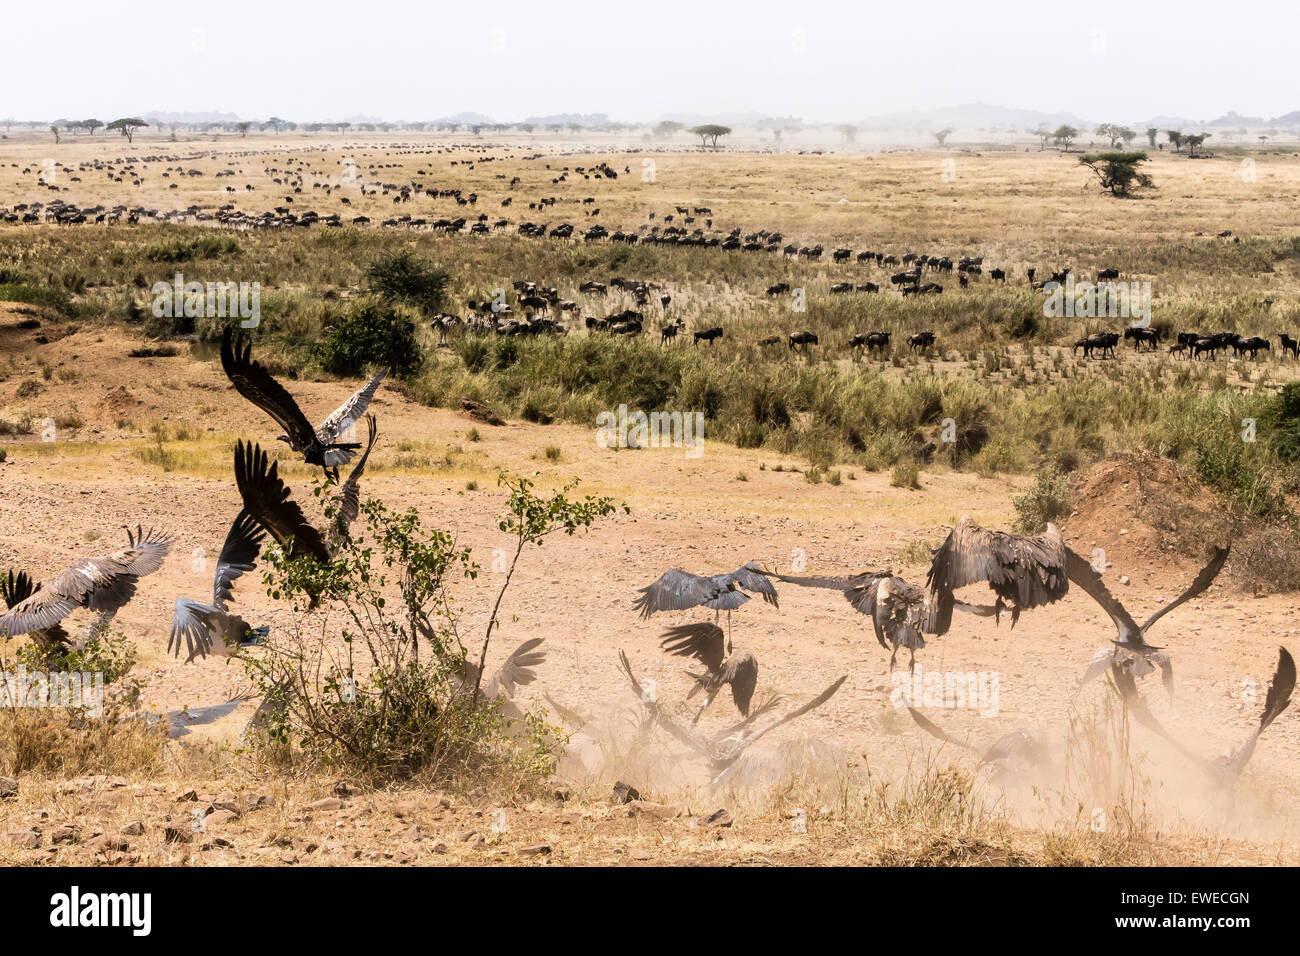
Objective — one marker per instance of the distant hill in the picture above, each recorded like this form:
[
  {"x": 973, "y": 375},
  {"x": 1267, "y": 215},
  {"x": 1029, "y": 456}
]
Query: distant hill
[
  {"x": 564, "y": 119},
  {"x": 160, "y": 118},
  {"x": 973, "y": 116}
]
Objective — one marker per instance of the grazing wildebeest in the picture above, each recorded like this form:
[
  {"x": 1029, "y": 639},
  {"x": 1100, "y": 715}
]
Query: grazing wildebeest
[
  {"x": 1289, "y": 345},
  {"x": 770, "y": 340},
  {"x": 707, "y": 335},
  {"x": 840, "y": 287},
  {"x": 1143, "y": 336},
  {"x": 963, "y": 281},
  {"x": 803, "y": 338},
  {"x": 1030, "y": 272},
  {"x": 878, "y": 341},
  {"x": 997, "y": 275},
  {"x": 779, "y": 289},
  {"x": 1105, "y": 274},
  {"x": 1252, "y": 345},
  {"x": 921, "y": 341},
  {"x": 842, "y": 255},
  {"x": 868, "y": 287}
]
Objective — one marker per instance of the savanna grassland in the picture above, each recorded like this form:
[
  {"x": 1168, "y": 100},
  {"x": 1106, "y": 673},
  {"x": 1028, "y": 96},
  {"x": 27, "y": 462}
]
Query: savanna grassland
[{"x": 834, "y": 456}]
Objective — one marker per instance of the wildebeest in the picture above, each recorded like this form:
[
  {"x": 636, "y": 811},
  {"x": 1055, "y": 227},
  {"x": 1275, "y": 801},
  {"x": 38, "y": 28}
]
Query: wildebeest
[
  {"x": 1105, "y": 274},
  {"x": 670, "y": 330},
  {"x": 803, "y": 338},
  {"x": 997, "y": 275},
  {"x": 842, "y": 255},
  {"x": 707, "y": 335},
  {"x": 1252, "y": 345},
  {"x": 868, "y": 287},
  {"x": 1289, "y": 345},
  {"x": 1143, "y": 336},
  {"x": 920, "y": 341},
  {"x": 779, "y": 289}
]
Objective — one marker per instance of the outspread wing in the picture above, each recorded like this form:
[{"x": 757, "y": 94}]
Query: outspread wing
[
  {"x": 753, "y": 578},
  {"x": 191, "y": 623},
  {"x": 1202, "y": 582},
  {"x": 1279, "y": 697},
  {"x": 934, "y": 730},
  {"x": 675, "y": 591},
  {"x": 266, "y": 499},
  {"x": 41, "y": 610},
  {"x": 1025, "y": 570},
  {"x": 350, "y": 412},
  {"x": 705, "y": 642},
  {"x": 516, "y": 671},
  {"x": 17, "y": 586},
  {"x": 238, "y": 555},
  {"x": 741, "y": 673},
  {"x": 255, "y": 383},
  {"x": 348, "y": 500},
  {"x": 1083, "y": 575}
]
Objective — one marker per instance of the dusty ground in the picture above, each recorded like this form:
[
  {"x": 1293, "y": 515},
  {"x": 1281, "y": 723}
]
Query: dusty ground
[{"x": 62, "y": 499}]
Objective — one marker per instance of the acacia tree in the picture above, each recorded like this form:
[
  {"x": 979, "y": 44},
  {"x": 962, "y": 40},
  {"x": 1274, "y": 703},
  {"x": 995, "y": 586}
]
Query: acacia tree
[
  {"x": 55, "y": 130},
  {"x": 849, "y": 132},
  {"x": 1194, "y": 141},
  {"x": 1044, "y": 137},
  {"x": 276, "y": 124},
  {"x": 942, "y": 134},
  {"x": 667, "y": 129},
  {"x": 127, "y": 126},
  {"x": 1064, "y": 136},
  {"x": 1176, "y": 138},
  {"x": 709, "y": 133},
  {"x": 1118, "y": 171}
]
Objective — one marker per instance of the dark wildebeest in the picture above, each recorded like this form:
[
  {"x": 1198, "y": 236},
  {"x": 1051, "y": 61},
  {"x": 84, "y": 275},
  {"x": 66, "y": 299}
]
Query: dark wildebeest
[
  {"x": 878, "y": 341},
  {"x": 1289, "y": 345},
  {"x": 778, "y": 289},
  {"x": 670, "y": 331},
  {"x": 840, "y": 287},
  {"x": 868, "y": 287},
  {"x": 804, "y": 338},
  {"x": 1203, "y": 345},
  {"x": 770, "y": 340},
  {"x": 921, "y": 341},
  {"x": 842, "y": 255},
  {"x": 1105, "y": 274},
  {"x": 1252, "y": 345},
  {"x": 997, "y": 275},
  {"x": 707, "y": 335},
  {"x": 1143, "y": 336}
]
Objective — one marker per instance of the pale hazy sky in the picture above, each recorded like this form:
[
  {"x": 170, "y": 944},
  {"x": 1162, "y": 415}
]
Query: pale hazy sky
[{"x": 641, "y": 59}]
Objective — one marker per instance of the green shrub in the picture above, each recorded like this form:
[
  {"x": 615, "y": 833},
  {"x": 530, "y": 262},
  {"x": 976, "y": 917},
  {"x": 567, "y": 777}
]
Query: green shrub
[
  {"x": 1047, "y": 499},
  {"x": 371, "y": 334},
  {"x": 404, "y": 277}
]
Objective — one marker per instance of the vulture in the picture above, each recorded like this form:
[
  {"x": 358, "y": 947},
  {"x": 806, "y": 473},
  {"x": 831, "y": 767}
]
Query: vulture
[
  {"x": 677, "y": 590},
  {"x": 723, "y": 749},
  {"x": 1226, "y": 769},
  {"x": 1024, "y": 572},
  {"x": 267, "y": 501},
  {"x": 1131, "y": 652},
  {"x": 318, "y": 446},
  {"x": 706, "y": 643},
  {"x": 212, "y": 628},
  {"x": 1021, "y": 747},
  {"x": 347, "y": 502},
  {"x": 516, "y": 672},
  {"x": 104, "y": 584},
  {"x": 897, "y": 609}
]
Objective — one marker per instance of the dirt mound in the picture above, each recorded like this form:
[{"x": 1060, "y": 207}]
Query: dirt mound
[
  {"x": 116, "y": 402},
  {"x": 1151, "y": 518}
]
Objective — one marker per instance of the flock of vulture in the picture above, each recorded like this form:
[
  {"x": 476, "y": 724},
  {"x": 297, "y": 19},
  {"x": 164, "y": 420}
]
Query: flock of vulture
[{"x": 1022, "y": 572}]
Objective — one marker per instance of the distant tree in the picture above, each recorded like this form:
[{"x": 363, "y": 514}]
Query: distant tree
[
  {"x": 1127, "y": 135},
  {"x": 709, "y": 133},
  {"x": 91, "y": 125},
  {"x": 1194, "y": 141},
  {"x": 1152, "y": 133},
  {"x": 849, "y": 132},
  {"x": 276, "y": 124},
  {"x": 243, "y": 128},
  {"x": 55, "y": 130},
  {"x": 1064, "y": 136},
  {"x": 575, "y": 127},
  {"x": 667, "y": 129},
  {"x": 1118, "y": 172},
  {"x": 942, "y": 134},
  {"x": 127, "y": 126},
  {"x": 1044, "y": 137},
  {"x": 1175, "y": 137},
  {"x": 527, "y": 127}
]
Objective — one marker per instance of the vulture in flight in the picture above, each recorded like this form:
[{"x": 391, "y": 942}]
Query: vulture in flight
[
  {"x": 1131, "y": 652},
  {"x": 680, "y": 590},
  {"x": 267, "y": 501},
  {"x": 706, "y": 643},
  {"x": 104, "y": 584},
  {"x": 1226, "y": 769},
  {"x": 516, "y": 672},
  {"x": 1024, "y": 572},
  {"x": 897, "y": 609},
  {"x": 347, "y": 502},
  {"x": 1018, "y": 748},
  {"x": 723, "y": 749},
  {"x": 212, "y": 628},
  {"x": 318, "y": 445}
]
